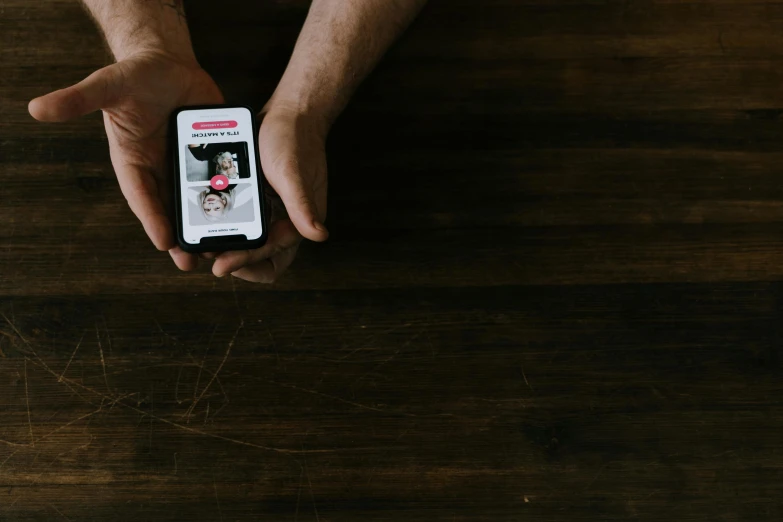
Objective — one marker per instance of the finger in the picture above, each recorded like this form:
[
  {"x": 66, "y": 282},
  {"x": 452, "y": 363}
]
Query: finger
[
  {"x": 97, "y": 91},
  {"x": 268, "y": 270},
  {"x": 286, "y": 179},
  {"x": 140, "y": 188},
  {"x": 184, "y": 261},
  {"x": 262, "y": 272},
  {"x": 282, "y": 236},
  {"x": 209, "y": 256}
]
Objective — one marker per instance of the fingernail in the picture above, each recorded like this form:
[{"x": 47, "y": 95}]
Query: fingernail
[{"x": 318, "y": 226}]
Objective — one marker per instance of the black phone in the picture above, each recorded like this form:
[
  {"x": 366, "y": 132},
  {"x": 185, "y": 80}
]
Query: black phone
[{"x": 218, "y": 182}]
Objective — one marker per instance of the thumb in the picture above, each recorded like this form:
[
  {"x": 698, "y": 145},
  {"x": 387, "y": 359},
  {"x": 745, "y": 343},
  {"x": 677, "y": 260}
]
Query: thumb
[
  {"x": 286, "y": 179},
  {"x": 99, "y": 90}
]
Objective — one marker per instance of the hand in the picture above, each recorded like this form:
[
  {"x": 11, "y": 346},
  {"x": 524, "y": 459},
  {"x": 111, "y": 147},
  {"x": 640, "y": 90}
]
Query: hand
[
  {"x": 293, "y": 158},
  {"x": 137, "y": 96}
]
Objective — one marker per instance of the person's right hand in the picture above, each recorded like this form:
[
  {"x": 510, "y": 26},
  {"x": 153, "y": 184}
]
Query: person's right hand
[
  {"x": 292, "y": 149},
  {"x": 137, "y": 96}
]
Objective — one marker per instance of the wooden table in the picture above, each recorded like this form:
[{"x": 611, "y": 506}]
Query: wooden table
[{"x": 552, "y": 290}]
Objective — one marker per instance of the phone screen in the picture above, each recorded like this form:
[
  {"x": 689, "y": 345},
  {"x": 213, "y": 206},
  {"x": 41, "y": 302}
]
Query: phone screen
[{"x": 219, "y": 183}]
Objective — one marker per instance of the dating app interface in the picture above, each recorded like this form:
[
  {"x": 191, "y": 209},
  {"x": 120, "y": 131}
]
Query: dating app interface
[{"x": 218, "y": 174}]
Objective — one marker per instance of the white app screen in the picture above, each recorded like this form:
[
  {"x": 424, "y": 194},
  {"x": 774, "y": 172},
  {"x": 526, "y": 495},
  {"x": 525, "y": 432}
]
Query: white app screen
[{"x": 218, "y": 174}]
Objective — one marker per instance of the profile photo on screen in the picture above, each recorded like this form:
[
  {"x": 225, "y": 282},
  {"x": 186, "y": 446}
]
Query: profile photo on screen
[
  {"x": 207, "y": 160},
  {"x": 232, "y": 205}
]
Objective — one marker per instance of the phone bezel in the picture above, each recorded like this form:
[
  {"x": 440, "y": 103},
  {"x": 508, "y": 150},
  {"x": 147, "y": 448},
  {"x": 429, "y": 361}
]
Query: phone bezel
[{"x": 216, "y": 244}]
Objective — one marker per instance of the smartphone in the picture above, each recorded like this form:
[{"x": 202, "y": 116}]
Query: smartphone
[{"x": 218, "y": 182}]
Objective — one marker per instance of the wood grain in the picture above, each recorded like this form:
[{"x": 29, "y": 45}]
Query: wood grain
[{"x": 552, "y": 290}]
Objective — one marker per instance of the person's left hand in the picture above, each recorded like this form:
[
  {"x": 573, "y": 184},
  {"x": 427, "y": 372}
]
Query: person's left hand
[
  {"x": 293, "y": 158},
  {"x": 137, "y": 96}
]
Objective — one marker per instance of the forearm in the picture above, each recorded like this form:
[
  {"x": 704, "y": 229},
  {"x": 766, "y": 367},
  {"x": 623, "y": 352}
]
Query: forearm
[
  {"x": 133, "y": 26},
  {"x": 340, "y": 43}
]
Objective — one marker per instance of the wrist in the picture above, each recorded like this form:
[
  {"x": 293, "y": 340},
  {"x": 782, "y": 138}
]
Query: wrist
[
  {"x": 154, "y": 26},
  {"x": 316, "y": 119},
  {"x": 155, "y": 45}
]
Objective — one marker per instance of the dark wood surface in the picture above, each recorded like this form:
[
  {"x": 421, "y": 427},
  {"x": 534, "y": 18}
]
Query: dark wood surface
[{"x": 552, "y": 291}]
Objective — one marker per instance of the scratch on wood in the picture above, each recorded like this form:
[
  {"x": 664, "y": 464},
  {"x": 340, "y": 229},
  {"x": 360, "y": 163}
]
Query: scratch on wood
[
  {"x": 152, "y": 411},
  {"x": 188, "y": 429},
  {"x": 524, "y": 376},
  {"x": 14, "y": 444},
  {"x": 60, "y": 428},
  {"x": 176, "y": 388},
  {"x": 108, "y": 334},
  {"x": 164, "y": 331},
  {"x": 310, "y": 485},
  {"x": 58, "y": 512},
  {"x": 299, "y": 496},
  {"x": 35, "y": 480},
  {"x": 328, "y": 396},
  {"x": 27, "y": 398},
  {"x": 82, "y": 447},
  {"x": 85, "y": 416},
  {"x": 370, "y": 338},
  {"x": 53, "y": 415},
  {"x": 60, "y": 379},
  {"x": 596, "y": 477},
  {"x": 352, "y": 403},
  {"x": 171, "y": 365},
  {"x": 103, "y": 362},
  {"x": 217, "y": 499},
  {"x": 214, "y": 376},
  {"x": 9, "y": 457},
  {"x": 41, "y": 362},
  {"x": 301, "y": 334},
  {"x": 274, "y": 343},
  {"x": 111, "y": 406},
  {"x": 388, "y": 359},
  {"x": 16, "y": 331},
  {"x": 203, "y": 361}
]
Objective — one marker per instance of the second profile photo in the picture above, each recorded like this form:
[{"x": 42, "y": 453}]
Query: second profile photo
[
  {"x": 234, "y": 204},
  {"x": 203, "y": 161}
]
